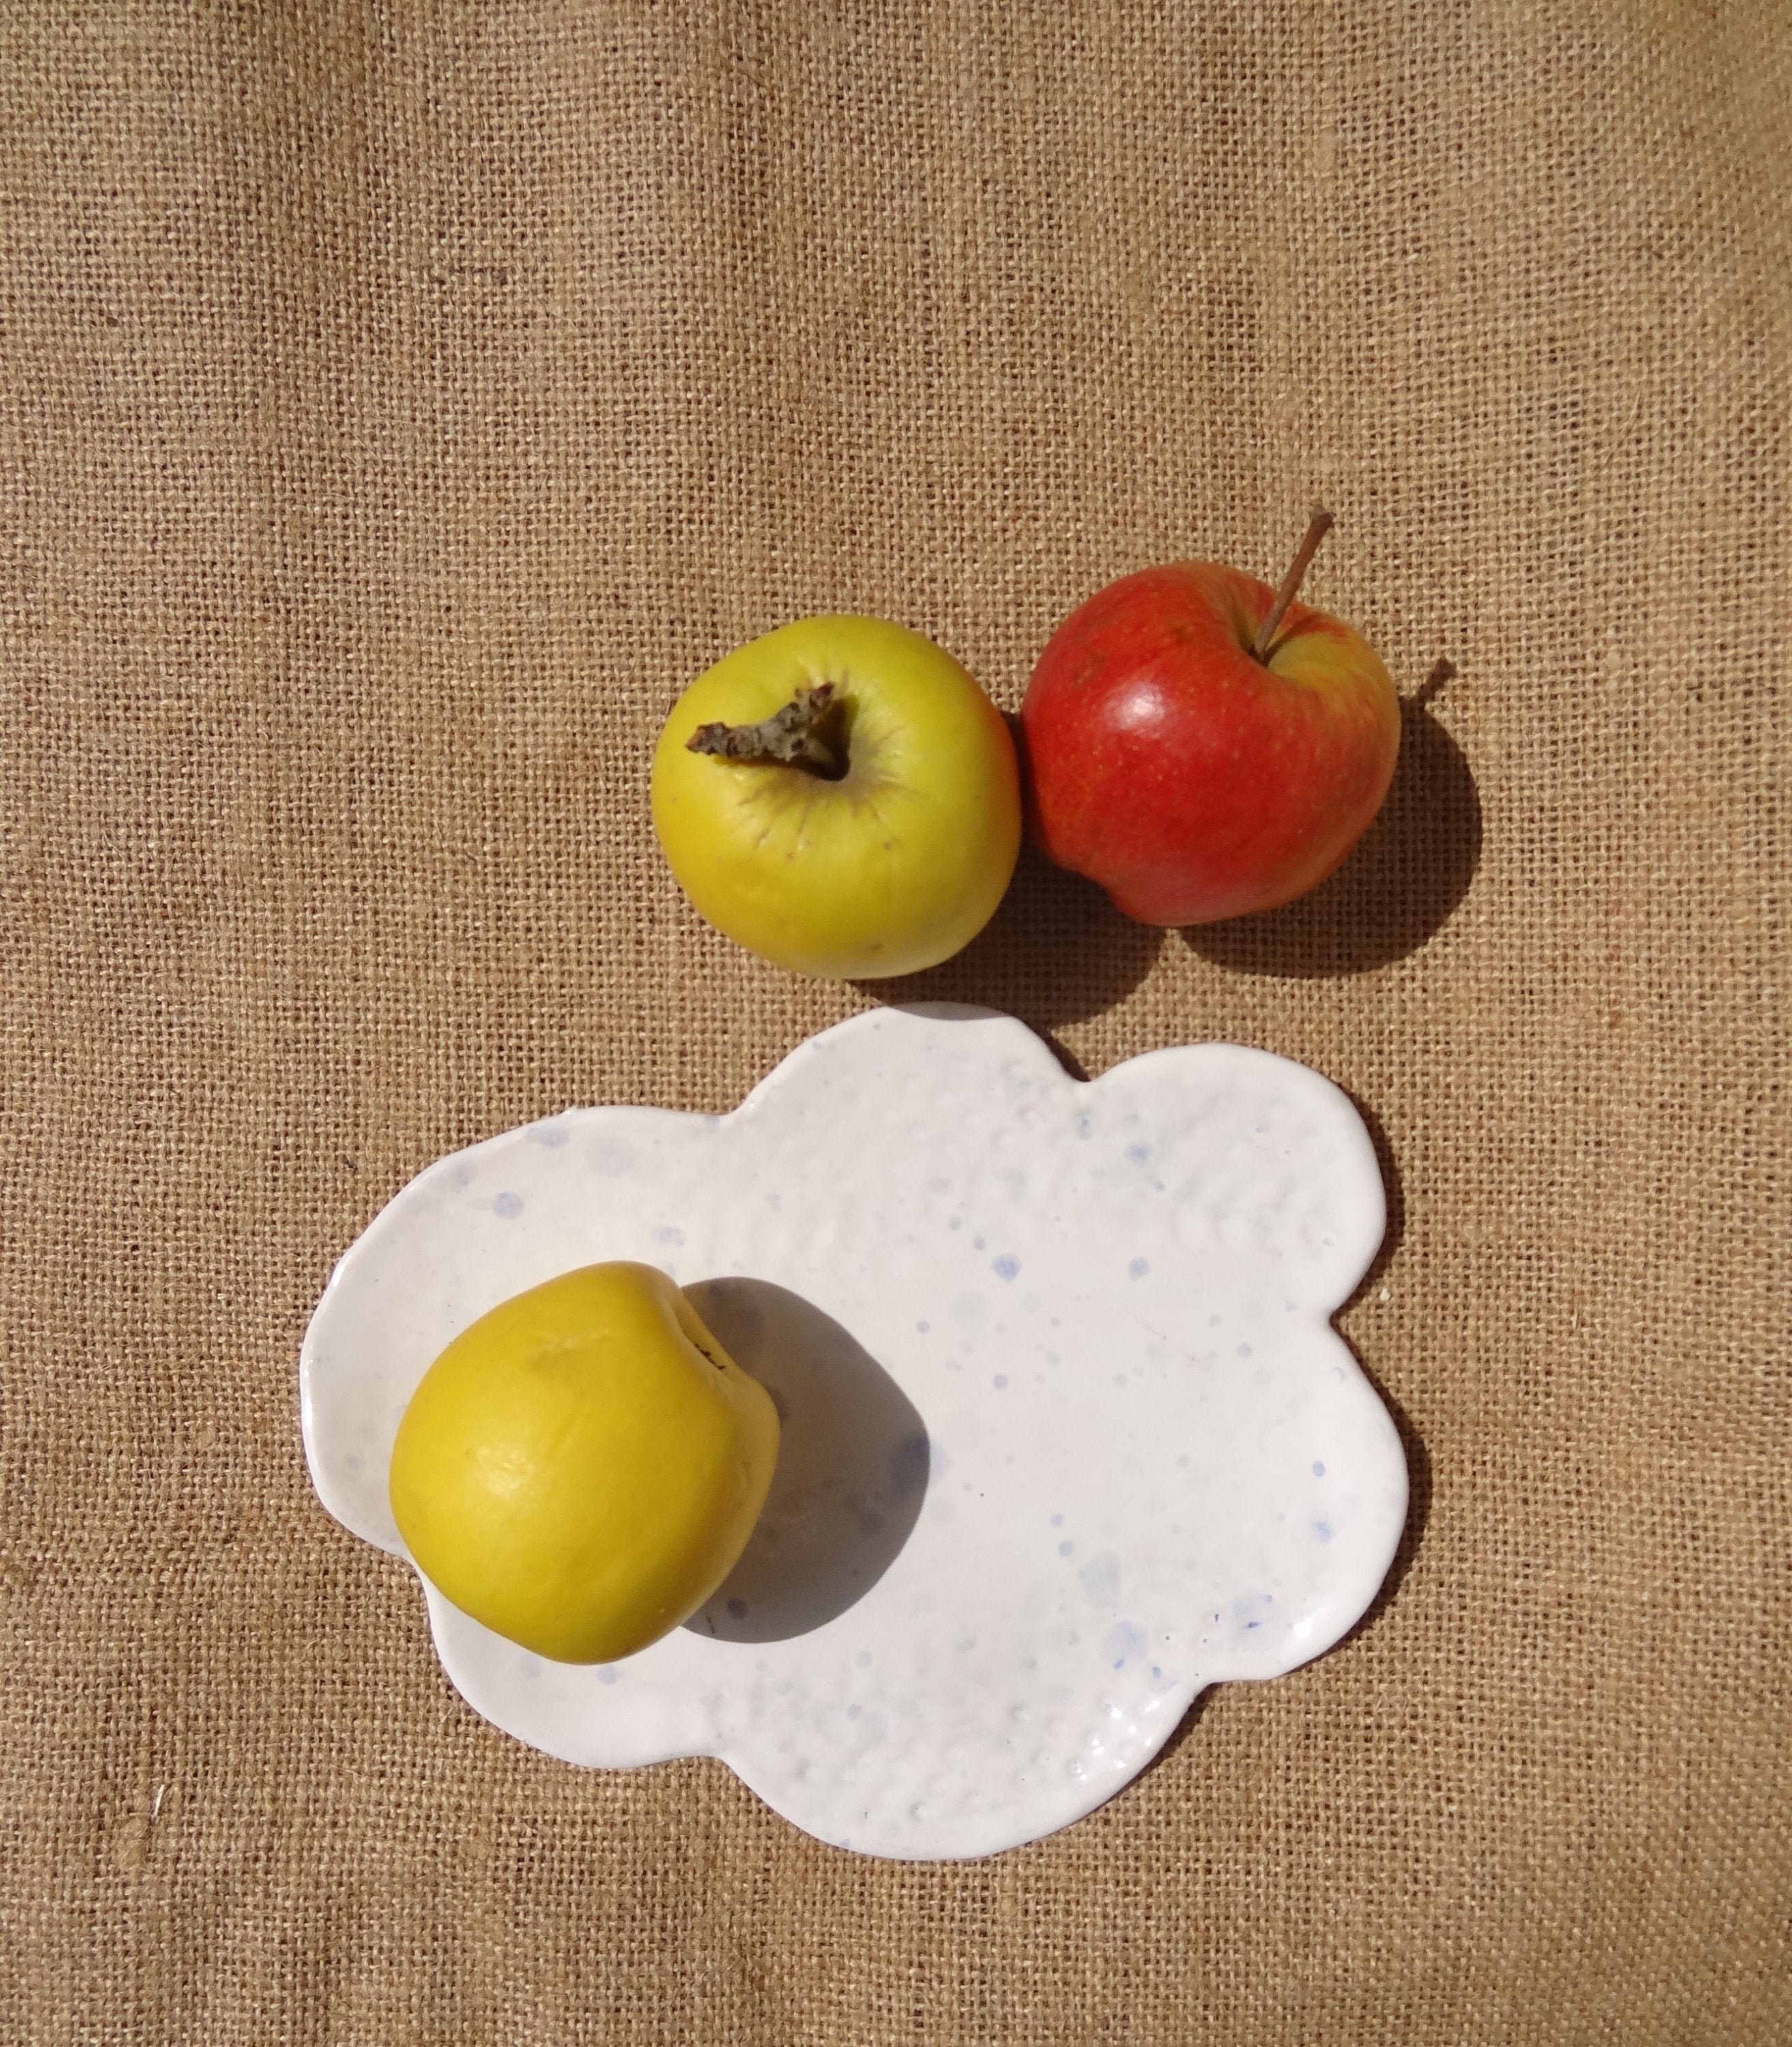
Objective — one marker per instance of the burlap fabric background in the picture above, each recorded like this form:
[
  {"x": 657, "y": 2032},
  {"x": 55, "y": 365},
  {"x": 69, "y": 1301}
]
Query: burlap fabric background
[{"x": 400, "y": 403}]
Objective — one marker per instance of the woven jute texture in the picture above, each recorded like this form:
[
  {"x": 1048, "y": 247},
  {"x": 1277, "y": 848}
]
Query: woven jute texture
[{"x": 401, "y": 404}]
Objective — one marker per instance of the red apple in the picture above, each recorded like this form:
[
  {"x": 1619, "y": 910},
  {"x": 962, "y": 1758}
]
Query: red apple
[{"x": 1204, "y": 747}]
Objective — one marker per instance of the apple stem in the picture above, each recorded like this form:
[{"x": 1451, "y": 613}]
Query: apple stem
[
  {"x": 792, "y": 736},
  {"x": 1318, "y": 527}
]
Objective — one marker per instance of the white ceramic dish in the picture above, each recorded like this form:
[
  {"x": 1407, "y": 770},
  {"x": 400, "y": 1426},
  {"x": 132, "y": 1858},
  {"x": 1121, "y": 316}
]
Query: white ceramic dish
[{"x": 1067, "y": 1437}]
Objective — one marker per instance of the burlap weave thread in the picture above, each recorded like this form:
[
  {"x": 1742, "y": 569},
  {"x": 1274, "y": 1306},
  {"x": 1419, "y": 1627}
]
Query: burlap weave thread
[{"x": 398, "y": 403}]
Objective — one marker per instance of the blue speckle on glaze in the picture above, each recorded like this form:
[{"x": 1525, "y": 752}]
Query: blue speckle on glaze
[
  {"x": 1138, "y": 1150},
  {"x": 999, "y": 1382},
  {"x": 1005, "y": 1267},
  {"x": 609, "y": 1674},
  {"x": 1248, "y": 1604},
  {"x": 977, "y": 1244},
  {"x": 552, "y": 1133},
  {"x": 1058, "y": 1521},
  {"x": 924, "y": 1327},
  {"x": 1318, "y": 1471},
  {"x": 1128, "y": 1639},
  {"x": 1137, "y": 1268},
  {"x": 1323, "y": 1530},
  {"x": 1244, "y": 1350},
  {"x": 507, "y": 1204},
  {"x": 852, "y": 1712},
  {"x": 668, "y": 1232},
  {"x": 1084, "y": 1126},
  {"x": 1064, "y": 1549}
]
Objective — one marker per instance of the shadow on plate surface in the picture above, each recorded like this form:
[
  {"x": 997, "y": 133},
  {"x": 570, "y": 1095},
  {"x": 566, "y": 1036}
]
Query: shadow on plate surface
[{"x": 852, "y": 1472}]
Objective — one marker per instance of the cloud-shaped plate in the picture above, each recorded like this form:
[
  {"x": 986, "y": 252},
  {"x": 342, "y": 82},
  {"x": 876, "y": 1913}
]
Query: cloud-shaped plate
[{"x": 1068, "y": 1435}]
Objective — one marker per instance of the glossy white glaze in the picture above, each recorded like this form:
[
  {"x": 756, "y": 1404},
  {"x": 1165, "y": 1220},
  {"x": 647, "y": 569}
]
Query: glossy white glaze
[{"x": 1068, "y": 1436}]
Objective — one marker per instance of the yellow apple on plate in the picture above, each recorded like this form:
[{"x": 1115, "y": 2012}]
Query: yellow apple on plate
[
  {"x": 840, "y": 797},
  {"x": 582, "y": 1467}
]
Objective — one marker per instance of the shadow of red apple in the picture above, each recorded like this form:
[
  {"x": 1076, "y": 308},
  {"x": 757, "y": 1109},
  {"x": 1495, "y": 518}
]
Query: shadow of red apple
[{"x": 1409, "y": 870}]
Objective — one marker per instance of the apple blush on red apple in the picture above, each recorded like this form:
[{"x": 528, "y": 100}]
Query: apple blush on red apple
[{"x": 1204, "y": 747}]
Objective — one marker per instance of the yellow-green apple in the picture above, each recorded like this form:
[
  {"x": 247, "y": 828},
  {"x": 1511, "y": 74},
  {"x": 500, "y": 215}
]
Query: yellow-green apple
[
  {"x": 581, "y": 1467},
  {"x": 1204, "y": 747},
  {"x": 840, "y": 797}
]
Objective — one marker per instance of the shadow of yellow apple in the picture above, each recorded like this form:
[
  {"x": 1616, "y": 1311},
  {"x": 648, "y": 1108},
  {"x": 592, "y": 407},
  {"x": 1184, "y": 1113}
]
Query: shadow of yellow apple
[{"x": 581, "y": 1468}]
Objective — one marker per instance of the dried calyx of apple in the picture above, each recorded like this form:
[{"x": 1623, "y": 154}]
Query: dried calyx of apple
[{"x": 808, "y": 733}]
